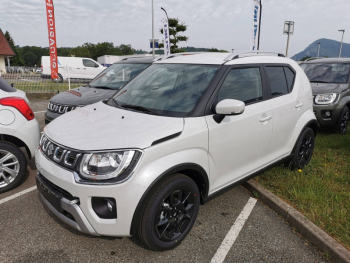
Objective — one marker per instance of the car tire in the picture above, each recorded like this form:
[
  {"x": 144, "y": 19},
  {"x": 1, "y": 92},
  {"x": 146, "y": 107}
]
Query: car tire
[
  {"x": 303, "y": 150},
  {"x": 12, "y": 168},
  {"x": 170, "y": 213},
  {"x": 342, "y": 121}
]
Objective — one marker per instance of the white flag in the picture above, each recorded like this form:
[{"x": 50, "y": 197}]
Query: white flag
[
  {"x": 166, "y": 35},
  {"x": 254, "y": 41}
]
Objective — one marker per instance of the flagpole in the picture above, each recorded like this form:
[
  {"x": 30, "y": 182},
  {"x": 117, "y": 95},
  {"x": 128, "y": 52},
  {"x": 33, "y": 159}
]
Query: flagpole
[
  {"x": 153, "y": 31},
  {"x": 259, "y": 24}
]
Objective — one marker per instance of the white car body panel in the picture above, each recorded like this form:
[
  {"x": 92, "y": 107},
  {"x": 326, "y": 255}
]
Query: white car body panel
[{"x": 80, "y": 130}]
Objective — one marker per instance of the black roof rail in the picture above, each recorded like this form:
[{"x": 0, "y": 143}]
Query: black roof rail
[{"x": 251, "y": 53}]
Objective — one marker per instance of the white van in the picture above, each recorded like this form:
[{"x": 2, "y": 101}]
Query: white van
[{"x": 79, "y": 68}]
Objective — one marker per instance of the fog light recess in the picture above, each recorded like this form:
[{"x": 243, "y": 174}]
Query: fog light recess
[
  {"x": 326, "y": 114},
  {"x": 104, "y": 207}
]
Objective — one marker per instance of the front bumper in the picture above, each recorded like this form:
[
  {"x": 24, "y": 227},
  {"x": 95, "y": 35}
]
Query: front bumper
[
  {"x": 71, "y": 213},
  {"x": 327, "y": 122},
  {"x": 127, "y": 196}
]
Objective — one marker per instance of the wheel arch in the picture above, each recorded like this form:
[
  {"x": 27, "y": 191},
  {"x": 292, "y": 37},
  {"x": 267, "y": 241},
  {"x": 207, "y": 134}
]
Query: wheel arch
[
  {"x": 313, "y": 124},
  {"x": 192, "y": 170},
  {"x": 18, "y": 142}
]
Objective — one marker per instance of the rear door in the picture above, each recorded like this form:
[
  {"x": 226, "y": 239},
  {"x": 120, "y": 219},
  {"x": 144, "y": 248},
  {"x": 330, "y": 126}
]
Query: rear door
[
  {"x": 238, "y": 145},
  {"x": 287, "y": 104}
]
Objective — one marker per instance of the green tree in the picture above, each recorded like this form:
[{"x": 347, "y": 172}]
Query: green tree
[
  {"x": 17, "y": 60},
  {"x": 217, "y": 50},
  {"x": 175, "y": 27}
]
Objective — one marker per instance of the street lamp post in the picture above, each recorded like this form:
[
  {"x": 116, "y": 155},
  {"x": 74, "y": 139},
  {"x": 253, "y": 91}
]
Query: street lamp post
[
  {"x": 153, "y": 31},
  {"x": 341, "y": 43},
  {"x": 288, "y": 30},
  {"x": 319, "y": 45}
]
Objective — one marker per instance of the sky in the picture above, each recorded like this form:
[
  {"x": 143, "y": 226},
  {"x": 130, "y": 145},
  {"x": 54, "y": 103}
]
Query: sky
[{"x": 222, "y": 24}]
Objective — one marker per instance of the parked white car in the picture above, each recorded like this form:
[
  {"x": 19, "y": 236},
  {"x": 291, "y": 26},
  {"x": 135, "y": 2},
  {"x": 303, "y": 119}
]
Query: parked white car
[
  {"x": 76, "y": 67},
  {"x": 18, "y": 128},
  {"x": 183, "y": 131}
]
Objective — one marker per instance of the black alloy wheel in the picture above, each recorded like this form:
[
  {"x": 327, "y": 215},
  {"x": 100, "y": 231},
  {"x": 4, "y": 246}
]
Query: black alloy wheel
[
  {"x": 174, "y": 215},
  {"x": 343, "y": 120},
  {"x": 303, "y": 150},
  {"x": 170, "y": 213}
]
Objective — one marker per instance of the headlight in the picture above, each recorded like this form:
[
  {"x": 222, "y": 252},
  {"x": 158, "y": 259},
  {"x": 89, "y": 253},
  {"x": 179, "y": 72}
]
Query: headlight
[
  {"x": 325, "y": 98},
  {"x": 103, "y": 166}
]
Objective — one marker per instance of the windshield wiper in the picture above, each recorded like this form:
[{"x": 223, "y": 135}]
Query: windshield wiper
[
  {"x": 101, "y": 87},
  {"x": 139, "y": 108},
  {"x": 319, "y": 81}
]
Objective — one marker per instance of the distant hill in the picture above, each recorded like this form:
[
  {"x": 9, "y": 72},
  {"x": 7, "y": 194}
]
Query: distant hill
[
  {"x": 329, "y": 48},
  {"x": 191, "y": 49}
]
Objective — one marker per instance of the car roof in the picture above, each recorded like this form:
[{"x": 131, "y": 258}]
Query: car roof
[
  {"x": 327, "y": 60},
  {"x": 217, "y": 58},
  {"x": 136, "y": 60}
]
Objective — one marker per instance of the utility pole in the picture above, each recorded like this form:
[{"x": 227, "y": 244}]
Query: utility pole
[
  {"x": 288, "y": 30},
  {"x": 319, "y": 46},
  {"x": 341, "y": 43},
  {"x": 153, "y": 31}
]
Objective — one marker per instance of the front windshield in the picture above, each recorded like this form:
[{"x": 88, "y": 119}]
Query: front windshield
[
  {"x": 167, "y": 89},
  {"x": 117, "y": 75},
  {"x": 327, "y": 73}
]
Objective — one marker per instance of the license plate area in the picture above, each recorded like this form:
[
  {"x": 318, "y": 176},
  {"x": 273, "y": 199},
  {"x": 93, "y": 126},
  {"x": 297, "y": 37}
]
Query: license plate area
[{"x": 49, "y": 194}]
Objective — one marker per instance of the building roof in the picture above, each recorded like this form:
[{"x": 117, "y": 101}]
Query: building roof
[{"x": 5, "y": 48}]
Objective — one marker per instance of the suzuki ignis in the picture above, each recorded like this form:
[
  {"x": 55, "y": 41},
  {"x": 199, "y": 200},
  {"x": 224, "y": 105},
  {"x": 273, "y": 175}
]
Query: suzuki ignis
[{"x": 180, "y": 133}]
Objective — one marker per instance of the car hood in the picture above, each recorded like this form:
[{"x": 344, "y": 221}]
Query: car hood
[
  {"x": 103, "y": 127},
  {"x": 82, "y": 96},
  {"x": 322, "y": 88}
]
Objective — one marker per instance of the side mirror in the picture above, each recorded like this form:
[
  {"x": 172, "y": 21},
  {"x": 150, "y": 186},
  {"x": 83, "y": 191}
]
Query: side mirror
[
  {"x": 96, "y": 66},
  {"x": 228, "y": 107},
  {"x": 12, "y": 84}
]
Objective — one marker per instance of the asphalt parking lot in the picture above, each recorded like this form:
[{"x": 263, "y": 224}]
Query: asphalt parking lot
[{"x": 31, "y": 233}]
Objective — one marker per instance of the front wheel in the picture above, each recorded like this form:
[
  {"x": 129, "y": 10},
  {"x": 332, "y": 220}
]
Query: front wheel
[
  {"x": 13, "y": 165},
  {"x": 170, "y": 213},
  {"x": 343, "y": 120},
  {"x": 304, "y": 149}
]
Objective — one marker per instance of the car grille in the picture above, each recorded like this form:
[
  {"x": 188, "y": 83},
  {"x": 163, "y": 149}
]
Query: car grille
[
  {"x": 59, "y": 154},
  {"x": 60, "y": 109}
]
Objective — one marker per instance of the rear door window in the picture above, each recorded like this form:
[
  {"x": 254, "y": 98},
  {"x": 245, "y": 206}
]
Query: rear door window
[
  {"x": 5, "y": 86},
  {"x": 278, "y": 82},
  {"x": 290, "y": 75}
]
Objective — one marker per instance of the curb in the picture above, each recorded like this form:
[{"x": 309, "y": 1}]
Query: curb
[{"x": 304, "y": 226}]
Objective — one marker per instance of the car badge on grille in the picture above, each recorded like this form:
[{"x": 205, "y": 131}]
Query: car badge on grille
[{"x": 50, "y": 149}]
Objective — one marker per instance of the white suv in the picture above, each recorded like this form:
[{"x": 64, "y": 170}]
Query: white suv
[
  {"x": 18, "y": 128},
  {"x": 182, "y": 132}
]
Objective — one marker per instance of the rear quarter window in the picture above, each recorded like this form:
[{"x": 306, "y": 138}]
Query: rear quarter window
[{"x": 5, "y": 86}]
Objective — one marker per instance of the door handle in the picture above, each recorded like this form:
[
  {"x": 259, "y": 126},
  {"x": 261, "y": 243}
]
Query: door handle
[
  {"x": 78, "y": 68},
  {"x": 84, "y": 68},
  {"x": 265, "y": 119},
  {"x": 299, "y": 105}
]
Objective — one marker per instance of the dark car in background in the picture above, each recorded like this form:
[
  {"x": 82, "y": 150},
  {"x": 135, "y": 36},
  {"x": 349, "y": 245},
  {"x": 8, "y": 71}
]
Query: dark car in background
[
  {"x": 102, "y": 87},
  {"x": 330, "y": 84}
]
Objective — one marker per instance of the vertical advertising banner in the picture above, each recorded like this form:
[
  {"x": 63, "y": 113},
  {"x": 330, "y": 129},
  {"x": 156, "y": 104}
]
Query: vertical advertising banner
[
  {"x": 166, "y": 35},
  {"x": 52, "y": 38},
  {"x": 254, "y": 41}
]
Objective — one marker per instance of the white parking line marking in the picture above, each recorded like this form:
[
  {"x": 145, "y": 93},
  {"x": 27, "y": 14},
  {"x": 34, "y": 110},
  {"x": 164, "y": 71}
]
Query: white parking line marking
[
  {"x": 39, "y": 111},
  {"x": 231, "y": 236},
  {"x": 17, "y": 195}
]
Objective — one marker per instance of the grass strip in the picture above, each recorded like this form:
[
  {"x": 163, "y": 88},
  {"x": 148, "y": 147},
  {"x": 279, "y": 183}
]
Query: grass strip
[{"x": 321, "y": 191}]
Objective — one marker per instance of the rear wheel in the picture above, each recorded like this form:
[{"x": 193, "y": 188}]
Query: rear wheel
[
  {"x": 13, "y": 165},
  {"x": 303, "y": 151},
  {"x": 170, "y": 213},
  {"x": 59, "y": 79},
  {"x": 343, "y": 120}
]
